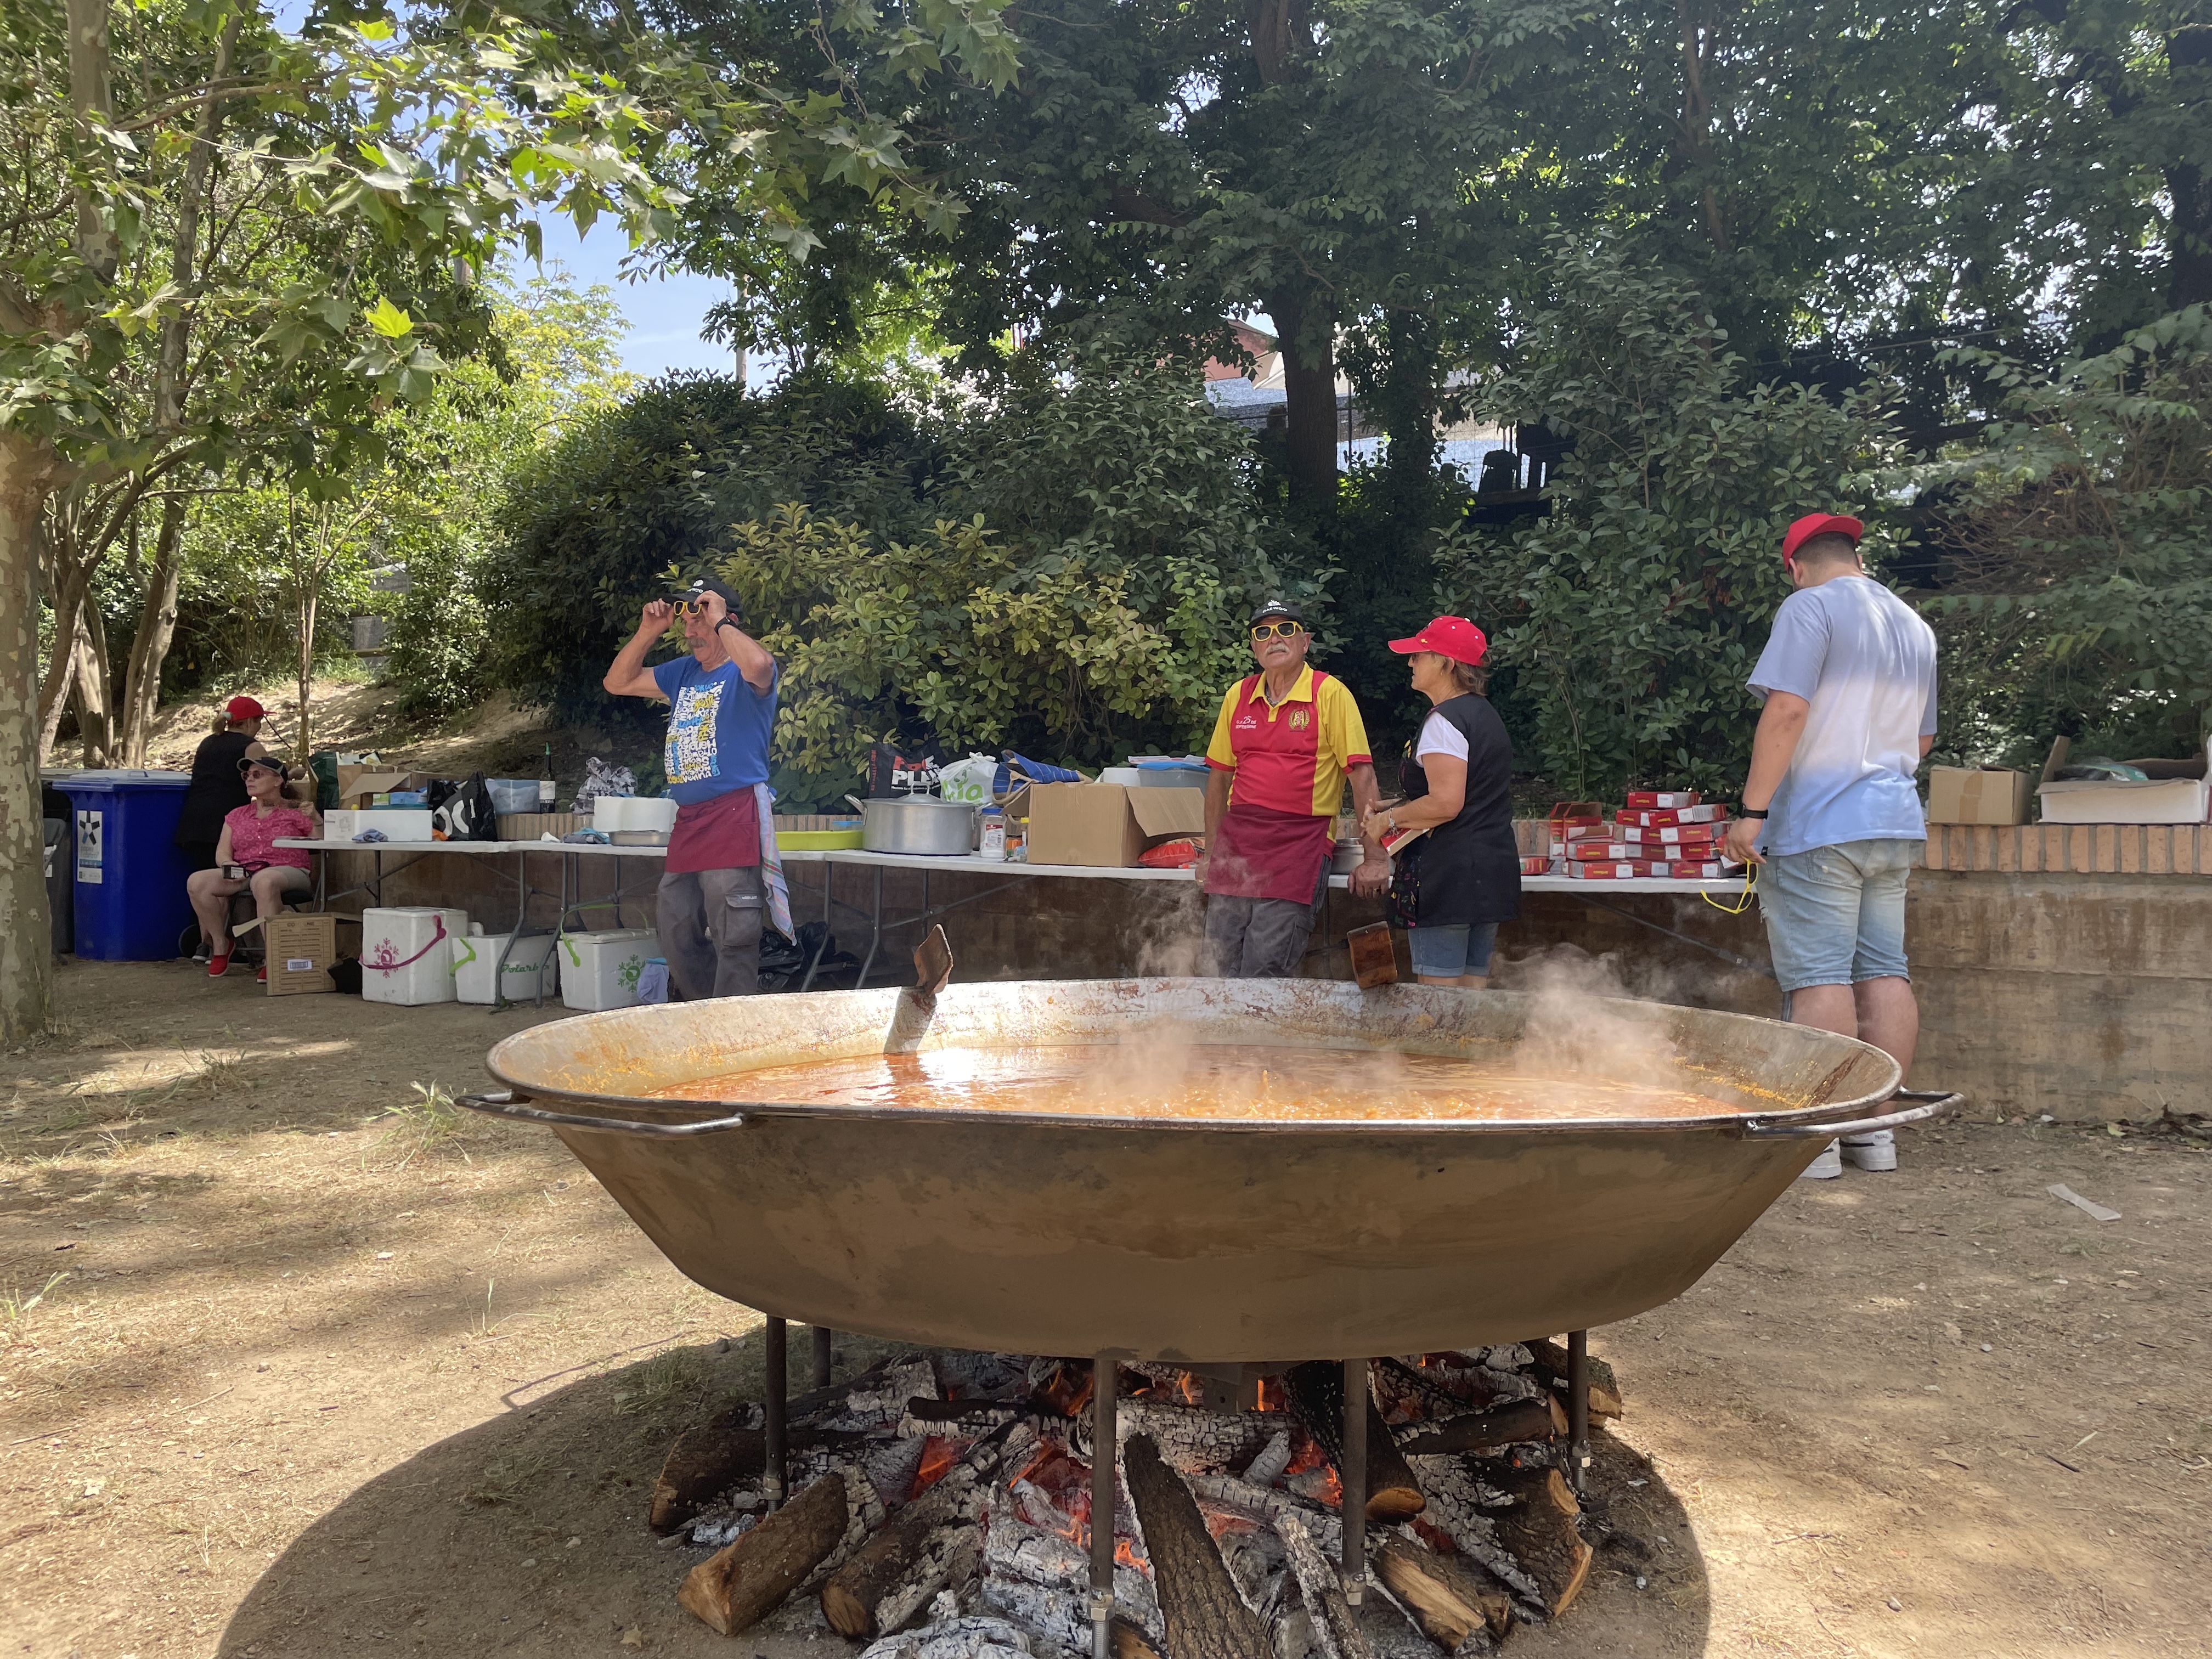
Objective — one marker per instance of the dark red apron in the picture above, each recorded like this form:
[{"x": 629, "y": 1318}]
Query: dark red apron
[
  {"x": 719, "y": 832},
  {"x": 1264, "y": 853}
]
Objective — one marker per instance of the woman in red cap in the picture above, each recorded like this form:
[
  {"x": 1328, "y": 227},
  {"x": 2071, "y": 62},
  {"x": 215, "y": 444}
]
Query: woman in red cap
[
  {"x": 216, "y": 787},
  {"x": 1454, "y": 884}
]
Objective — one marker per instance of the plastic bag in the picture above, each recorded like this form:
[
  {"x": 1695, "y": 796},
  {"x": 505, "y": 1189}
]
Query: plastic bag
[{"x": 968, "y": 781}]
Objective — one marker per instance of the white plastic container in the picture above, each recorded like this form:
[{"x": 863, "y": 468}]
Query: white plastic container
[
  {"x": 654, "y": 814},
  {"x": 398, "y": 822},
  {"x": 533, "y": 967},
  {"x": 600, "y": 970},
  {"x": 407, "y": 954},
  {"x": 513, "y": 794}
]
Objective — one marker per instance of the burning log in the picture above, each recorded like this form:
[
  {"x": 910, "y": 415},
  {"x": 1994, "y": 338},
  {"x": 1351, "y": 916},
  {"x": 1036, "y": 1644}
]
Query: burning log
[
  {"x": 1336, "y": 1631},
  {"x": 735, "y": 1588},
  {"x": 705, "y": 1462},
  {"x": 1014, "y": 1549},
  {"x": 1263, "y": 1504},
  {"x": 1267, "y": 1466},
  {"x": 930, "y": 1416},
  {"x": 1191, "y": 1438},
  {"x": 891, "y": 1578},
  {"x": 1317, "y": 1393},
  {"x": 1508, "y": 1424},
  {"x": 1204, "y": 1616},
  {"x": 1456, "y": 1502},
  {"x": 1550, "y": 1359},
  {"x": 1541, "y": 1534},
  {"x": 885, "y": 1400},
  {"x": 1450, "y": 1598}
]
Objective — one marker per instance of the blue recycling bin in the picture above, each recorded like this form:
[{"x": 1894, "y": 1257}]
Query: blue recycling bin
[{"x": 130, "y": 886}]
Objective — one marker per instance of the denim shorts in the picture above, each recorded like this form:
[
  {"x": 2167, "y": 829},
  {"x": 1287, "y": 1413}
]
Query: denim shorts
[
  {"x": 1450, "y": 952},
  {"x": 1835, "y": 915}
]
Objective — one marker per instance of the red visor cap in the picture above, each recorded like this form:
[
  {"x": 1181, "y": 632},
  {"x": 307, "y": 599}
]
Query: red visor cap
[
  {"x": 1448, "y": 636},
  {"x": 1818, "y": 524},
  {"x": 244, "y": 708}
]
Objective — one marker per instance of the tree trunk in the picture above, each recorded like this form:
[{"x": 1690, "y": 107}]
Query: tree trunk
[
  {"x": 157, "y": 626},
  {"x": 92, "y": 683},
  {"x": 26, "y": 472},
  {"x": 1309, "y": 386},
  {"x": 300, "y": 739},
  {"x": 2189, "y": 237},
  {"x": 65, "y": 592}
]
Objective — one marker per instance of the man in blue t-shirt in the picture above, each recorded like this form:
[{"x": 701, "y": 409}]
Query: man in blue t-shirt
[
  {"x": 722, "y": 703},
  {"x": 1848, "y": 677}
]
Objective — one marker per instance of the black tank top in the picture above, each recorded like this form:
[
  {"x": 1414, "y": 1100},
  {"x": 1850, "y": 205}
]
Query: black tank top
[
  {"x": 216, "y": 786},
  {"x": 1470, "y": 867}
]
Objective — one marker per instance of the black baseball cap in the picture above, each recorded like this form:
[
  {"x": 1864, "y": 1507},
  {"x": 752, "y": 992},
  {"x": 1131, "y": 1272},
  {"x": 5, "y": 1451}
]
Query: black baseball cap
[
  {"x": 1278, "y": 611},
  {"x": 700, "y": 586}
]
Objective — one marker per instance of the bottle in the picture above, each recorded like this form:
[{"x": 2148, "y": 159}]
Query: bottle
[
  {"x": 993, "y": 842},
  {"x": 546, "y": 787}
]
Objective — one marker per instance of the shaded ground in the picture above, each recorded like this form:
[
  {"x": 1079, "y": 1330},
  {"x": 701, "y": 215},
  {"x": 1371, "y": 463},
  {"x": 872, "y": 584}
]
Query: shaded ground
[{"x": 298, "y": 1393}]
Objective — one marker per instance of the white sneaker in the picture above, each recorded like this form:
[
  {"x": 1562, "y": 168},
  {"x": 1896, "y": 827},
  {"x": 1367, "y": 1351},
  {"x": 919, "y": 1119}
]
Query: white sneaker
[
  {"x": 1876, "y": 1152},
  {"x": 1826, "y": 1167}
]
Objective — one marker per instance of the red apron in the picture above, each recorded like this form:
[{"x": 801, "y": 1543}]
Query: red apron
[
  {"x": 719, "y": 832},
  {"x": 1263, "y": 853}
]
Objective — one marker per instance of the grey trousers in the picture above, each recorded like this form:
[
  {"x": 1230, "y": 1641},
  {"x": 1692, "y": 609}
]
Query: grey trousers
[
  {"x": 709, "y": 922},
  {"x": 1257, "y": 937}
]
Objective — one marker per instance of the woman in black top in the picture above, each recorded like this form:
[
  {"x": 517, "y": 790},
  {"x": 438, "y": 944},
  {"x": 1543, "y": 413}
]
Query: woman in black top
[
  {"x": 217, "y": 785},
  {"x": 1463, "y": 877}
]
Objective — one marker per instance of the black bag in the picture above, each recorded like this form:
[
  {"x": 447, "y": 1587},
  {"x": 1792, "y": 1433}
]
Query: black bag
[
  {"x": 890, "y": 773},
  {"x": 467, "y": 814},
  {"x": 345, "y": 976},
  {"x": 1405, "y": 902}
]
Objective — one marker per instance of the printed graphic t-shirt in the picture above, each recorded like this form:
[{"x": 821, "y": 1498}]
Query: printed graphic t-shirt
[
  {"x": 1866, "y": 662},
  {"x": 718, "y": 729}
]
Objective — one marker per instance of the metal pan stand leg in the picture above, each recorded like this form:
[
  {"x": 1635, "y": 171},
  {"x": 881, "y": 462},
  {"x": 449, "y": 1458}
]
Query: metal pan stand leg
[
  {"x": 778, "y": 1352},
  {"x": 1102, "y": 1505},
  {"x": 1578, "y": 1450},
  {"x": 824, "y": 1354},
  {"x": 1353, "y": 1478}
]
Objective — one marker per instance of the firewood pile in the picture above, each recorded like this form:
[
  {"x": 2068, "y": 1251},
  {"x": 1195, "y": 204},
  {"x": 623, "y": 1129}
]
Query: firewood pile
[{"x": 939, "y": 1508}]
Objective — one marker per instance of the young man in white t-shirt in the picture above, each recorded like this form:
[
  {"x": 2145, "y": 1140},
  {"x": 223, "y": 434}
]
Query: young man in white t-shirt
[{"x": 1848, "y": 677}]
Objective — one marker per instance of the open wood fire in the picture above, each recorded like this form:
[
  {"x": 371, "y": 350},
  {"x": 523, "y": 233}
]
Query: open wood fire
[{"x": 941, "y": 1508}]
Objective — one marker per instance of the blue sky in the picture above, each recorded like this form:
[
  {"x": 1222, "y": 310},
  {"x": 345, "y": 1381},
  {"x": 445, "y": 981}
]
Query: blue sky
[{"x": 664, "y": 313}]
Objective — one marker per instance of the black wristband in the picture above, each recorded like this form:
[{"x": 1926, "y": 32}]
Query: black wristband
[
  {"x": 1751, "y": 811},
  {"x": 728, "y": 620}
]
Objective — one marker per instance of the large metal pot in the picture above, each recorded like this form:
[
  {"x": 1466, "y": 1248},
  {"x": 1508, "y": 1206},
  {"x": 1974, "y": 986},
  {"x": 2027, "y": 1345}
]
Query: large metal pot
[
  {"x": 1172, "y": 1239},
  {"x": 917, "y": 824}
]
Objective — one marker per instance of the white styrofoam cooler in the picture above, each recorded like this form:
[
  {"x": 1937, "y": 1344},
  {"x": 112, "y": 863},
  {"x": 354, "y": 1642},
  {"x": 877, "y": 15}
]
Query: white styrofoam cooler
[
  {"x": 397, "y": 822},
  {"x": 407, "y": 954},
  {"x": 476, "y": 956},
  {"x": 654, "y": 814},
  {"x": 600, "y": 970}
]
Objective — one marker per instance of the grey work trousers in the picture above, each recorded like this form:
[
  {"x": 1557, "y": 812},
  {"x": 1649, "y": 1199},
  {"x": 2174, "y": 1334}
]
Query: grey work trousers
[
  {"x": 1258, "y": 938},
  {"x": 709, "y": 922}
]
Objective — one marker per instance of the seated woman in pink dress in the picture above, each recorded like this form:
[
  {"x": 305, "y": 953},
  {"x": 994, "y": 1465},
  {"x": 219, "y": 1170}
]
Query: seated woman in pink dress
[{"x": 248, "y": 845}]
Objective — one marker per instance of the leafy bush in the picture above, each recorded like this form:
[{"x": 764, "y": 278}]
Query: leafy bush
[
  {"x": 1632, "y": 612},
  {"x": 1088, "y": 601},
  {"x": 438, "y": 639},
  {"x": 2075, "y": 561},
  {"x": 590, "y": 526}
]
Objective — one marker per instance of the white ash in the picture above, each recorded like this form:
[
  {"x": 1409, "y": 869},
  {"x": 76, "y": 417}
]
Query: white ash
[
  {"x": 1272, "y": 1459},
  {"x": 881, "y": 1406},
  {"x": 1509, "y": 1356},
  {"x": 891, "y": 1468},
  {"x": 973, "y": 1637}
]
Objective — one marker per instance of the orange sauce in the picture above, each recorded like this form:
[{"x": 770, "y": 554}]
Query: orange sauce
[{"x": 1197, "y": 1080}]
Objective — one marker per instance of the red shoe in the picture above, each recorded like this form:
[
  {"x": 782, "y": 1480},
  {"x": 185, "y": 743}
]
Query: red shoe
[
  {"x": 261, "y": 975},
  {"x": 219, "y": 964}
]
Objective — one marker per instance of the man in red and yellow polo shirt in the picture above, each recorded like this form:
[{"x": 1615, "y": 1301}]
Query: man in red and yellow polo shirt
[{"x": 1286, "y": 739}]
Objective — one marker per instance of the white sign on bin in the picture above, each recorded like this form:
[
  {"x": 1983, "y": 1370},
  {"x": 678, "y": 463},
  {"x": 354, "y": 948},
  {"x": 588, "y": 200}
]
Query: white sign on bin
[{"x": 89, "y": 841}]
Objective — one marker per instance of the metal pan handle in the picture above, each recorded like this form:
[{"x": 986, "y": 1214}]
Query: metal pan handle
[
  {"x": 501, "y": 1102},
  {"x": 1935, "y": 1101}
]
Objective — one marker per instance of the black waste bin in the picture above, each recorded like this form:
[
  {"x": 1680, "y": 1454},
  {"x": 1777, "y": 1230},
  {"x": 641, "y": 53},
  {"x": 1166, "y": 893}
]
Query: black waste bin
[{"x": 61, "y": 885}]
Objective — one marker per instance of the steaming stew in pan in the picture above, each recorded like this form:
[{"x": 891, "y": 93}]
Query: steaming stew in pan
[{"x": 1196, "y": 1080}]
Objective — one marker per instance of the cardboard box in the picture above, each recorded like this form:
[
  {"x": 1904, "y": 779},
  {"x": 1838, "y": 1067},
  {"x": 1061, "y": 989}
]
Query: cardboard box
[
  {"x": 1648, "y": 800},
  {"x": 2160, "y": 800},
  {"x": 358, "y": 786},
  {"x": 1104, "y": 825},
  {"x": 1972, "y": 794},
  {"x": 1710, "y": 812},
  {"x": 300, "y": 949},
  {"x": 1668, "y": 835}
]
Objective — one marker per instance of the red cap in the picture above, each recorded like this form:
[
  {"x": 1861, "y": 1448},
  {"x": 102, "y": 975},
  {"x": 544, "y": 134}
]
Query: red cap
[
  {"x": 1818, "y": 524},
  {"x": 1448, "y": 636},
  {"x": 244, "y": 708}
]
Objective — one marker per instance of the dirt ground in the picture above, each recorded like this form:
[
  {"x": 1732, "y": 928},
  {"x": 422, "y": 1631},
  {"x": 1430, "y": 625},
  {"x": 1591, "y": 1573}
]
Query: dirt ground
[{"x": 276, "y": 1379}]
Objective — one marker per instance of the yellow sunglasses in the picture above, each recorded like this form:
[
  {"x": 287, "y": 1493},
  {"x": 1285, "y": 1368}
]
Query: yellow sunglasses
[{"x": 1281, "y": 630}]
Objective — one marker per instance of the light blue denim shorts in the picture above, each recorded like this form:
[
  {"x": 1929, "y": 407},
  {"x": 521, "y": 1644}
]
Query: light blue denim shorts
[
  {"x": 1835, "y": 915},
  {"x": 1450, "y": 952}
]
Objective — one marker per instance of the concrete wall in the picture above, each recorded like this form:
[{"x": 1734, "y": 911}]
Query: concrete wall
[{"x": 2088, "y": 997}]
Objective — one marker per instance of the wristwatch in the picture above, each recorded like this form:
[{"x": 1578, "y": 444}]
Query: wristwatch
[
  {"x": 1751, "y": 811},
  {"x": 728, "y": 620}
]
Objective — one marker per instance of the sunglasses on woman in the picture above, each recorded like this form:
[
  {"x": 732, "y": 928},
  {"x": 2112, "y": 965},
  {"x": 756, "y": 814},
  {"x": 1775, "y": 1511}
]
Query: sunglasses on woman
[{"x": 1281, "y": 630}]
